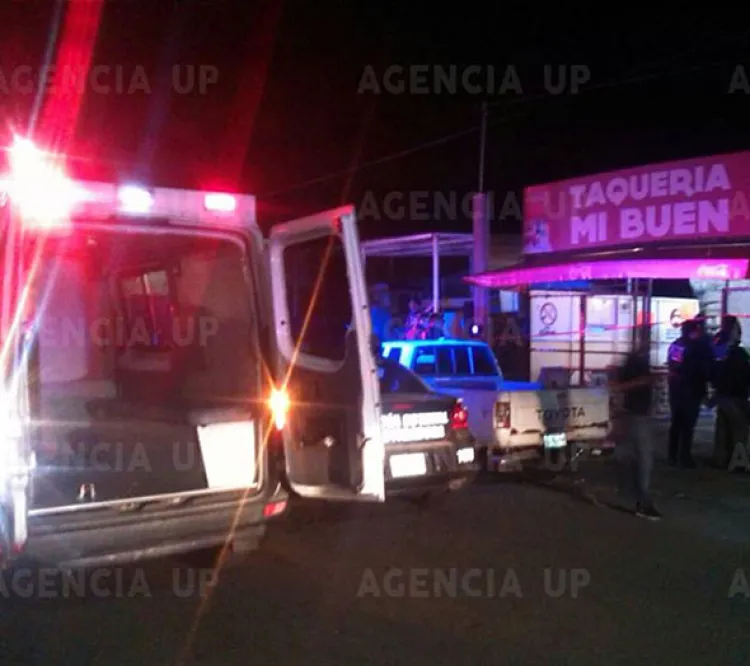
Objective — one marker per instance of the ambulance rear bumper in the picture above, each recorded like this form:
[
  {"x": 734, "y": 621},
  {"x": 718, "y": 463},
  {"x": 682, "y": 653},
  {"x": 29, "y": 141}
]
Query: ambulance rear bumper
[{"x": 106, "y": 536}]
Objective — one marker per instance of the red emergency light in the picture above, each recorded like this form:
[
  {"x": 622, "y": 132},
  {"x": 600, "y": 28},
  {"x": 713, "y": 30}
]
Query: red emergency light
[{"x": 38, "y": 187}]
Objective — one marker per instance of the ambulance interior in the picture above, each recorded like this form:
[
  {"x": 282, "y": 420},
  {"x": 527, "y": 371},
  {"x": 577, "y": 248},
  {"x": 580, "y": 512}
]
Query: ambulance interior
[{"x": 138, "y": 336}]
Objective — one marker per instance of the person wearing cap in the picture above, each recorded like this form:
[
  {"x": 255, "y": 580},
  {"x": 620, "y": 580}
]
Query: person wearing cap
[
  {"x": 689, "y": 374},
  {"x": 731, "y": 381}
]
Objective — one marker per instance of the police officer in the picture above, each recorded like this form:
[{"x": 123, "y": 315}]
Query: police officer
[
  {"x": 689, "y": 373},
  {"x": 731, "y": 380},
  {"x": 705, "y": 350},
  {"x": 706, "y": 343}
]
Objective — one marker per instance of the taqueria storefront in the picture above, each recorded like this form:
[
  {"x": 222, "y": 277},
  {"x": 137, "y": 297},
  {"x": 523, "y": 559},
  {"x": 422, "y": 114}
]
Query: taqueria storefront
[{"x": 679, "y": 225}]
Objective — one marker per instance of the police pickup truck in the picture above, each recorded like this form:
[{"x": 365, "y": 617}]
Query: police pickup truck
[{"x": 510, "y": 421}]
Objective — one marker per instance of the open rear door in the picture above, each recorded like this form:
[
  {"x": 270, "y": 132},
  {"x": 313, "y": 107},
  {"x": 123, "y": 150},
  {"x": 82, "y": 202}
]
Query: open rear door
[
  {"x": 333, "y": 444},
  {"x": 17, "y": 462}
]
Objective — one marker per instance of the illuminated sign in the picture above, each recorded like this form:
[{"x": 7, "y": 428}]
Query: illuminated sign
[
  {"x": 714, "y": 271},
  {"x": 414, "y": 427}
]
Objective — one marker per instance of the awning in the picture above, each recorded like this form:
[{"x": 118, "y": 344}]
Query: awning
[
  {"x": 702, "y": 268},
  {"x": 420, "y": 245},
  {"x": 423, "y": 245}
]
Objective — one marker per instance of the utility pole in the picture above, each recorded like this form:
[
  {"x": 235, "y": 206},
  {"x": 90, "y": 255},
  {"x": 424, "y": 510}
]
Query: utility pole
[
  {"x": 481, "y": 232},
  {"x": 482, "y": 147}
]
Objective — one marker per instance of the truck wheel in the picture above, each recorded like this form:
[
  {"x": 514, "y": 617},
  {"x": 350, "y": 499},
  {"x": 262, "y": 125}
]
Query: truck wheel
[{"x": 483, "y": 461}]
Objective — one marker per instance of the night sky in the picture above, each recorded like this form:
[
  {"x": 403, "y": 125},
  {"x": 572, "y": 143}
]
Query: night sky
[{"x": 286, "y": 110}]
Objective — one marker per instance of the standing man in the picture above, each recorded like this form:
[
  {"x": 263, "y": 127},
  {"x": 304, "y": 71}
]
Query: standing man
[
  {"x": 636, "y": 446},
  {"x": 731, "y": 380},
  {"x": 689, "y": 373}
]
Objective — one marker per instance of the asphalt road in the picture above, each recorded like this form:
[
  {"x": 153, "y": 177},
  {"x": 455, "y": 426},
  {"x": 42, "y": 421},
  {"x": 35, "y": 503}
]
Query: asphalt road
[{"x": 619, "y": 590}]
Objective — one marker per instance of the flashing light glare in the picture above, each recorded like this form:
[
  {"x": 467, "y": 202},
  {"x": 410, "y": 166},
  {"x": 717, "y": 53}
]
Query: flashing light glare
[
  {"x": 220, "y": 203},
  {"x": 475, "y": 329},
  {"x": 25, "y": 156},
  {"x": 40, "y": 189},
  {"x": 279, "y": 404},
  {"x": 135, "y": 199}
]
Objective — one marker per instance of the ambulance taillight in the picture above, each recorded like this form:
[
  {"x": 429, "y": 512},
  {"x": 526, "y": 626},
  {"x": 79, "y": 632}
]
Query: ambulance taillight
[{"x": 279, "y": 405}]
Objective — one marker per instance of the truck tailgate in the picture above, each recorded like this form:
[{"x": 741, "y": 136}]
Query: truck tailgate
[{"x": 522, "y": 418}]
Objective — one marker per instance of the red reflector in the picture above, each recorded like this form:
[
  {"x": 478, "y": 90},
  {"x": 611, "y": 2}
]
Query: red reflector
[
  {"x": 220, "y": 203},
  {"x": 274, "y": 509},
  {"x": 502, "y": 415}
]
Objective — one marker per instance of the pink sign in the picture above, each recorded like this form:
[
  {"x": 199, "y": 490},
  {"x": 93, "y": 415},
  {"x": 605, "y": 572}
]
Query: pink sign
[
  {"x": 698, "y": 199},
  {"x": 616, "y": 269}
]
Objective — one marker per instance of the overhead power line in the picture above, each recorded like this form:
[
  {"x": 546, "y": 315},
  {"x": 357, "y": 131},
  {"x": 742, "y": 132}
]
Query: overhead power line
[
  {"x": 504, "y": 103},
  {"x": 380, "y": 160}
]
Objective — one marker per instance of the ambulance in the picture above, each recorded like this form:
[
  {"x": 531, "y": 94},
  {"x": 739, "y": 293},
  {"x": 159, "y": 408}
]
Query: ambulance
[{"x": 170, "y": 374}]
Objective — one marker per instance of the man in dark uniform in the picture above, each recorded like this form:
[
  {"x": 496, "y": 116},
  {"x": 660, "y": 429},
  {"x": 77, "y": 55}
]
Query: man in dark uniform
[
  {"x": 706, "y": 351},
  {"x": 731, "y": 380},
  {"x": 689, "y": 373},
  {"x": 706, "y": 344}
]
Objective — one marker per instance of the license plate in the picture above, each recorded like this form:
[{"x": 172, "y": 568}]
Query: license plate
[
  {"x": 228, "y": 451},
  {"x": 465, "y": 456},
  {"x": 556, "y": 440},
  {"x": 408, "y": 464}
]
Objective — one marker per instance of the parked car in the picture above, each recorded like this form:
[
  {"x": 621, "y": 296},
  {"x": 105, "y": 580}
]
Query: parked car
[{"x": 429, "y": 447}]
